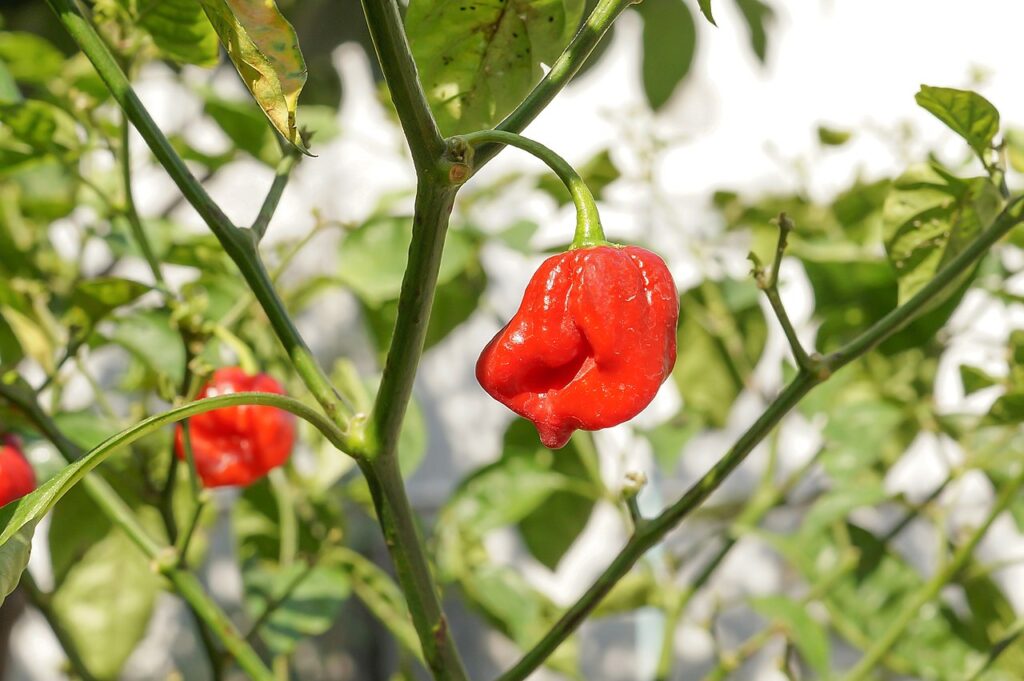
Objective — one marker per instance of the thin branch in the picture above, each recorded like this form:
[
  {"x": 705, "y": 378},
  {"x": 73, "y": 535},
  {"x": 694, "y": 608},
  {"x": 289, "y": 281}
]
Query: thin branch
[
  {"x": 769, "y": 283},
  {"x": 134, "y": 221},
  {"x": 269, "y": 207}
]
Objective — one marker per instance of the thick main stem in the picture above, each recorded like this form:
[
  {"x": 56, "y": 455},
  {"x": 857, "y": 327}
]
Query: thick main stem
[{"x": 395, "y": 514}]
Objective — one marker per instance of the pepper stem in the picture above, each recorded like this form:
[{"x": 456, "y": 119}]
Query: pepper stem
[{"x": 588, "y": 222}]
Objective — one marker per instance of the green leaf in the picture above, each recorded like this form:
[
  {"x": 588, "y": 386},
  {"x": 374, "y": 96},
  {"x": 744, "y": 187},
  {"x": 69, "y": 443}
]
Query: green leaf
[
  {"x": 705, "y": 9},
  {"x": 552, "y": 528},
  {"x": 637, "y": 589},
  {"x": 31, "y": 337},
  {"x": 265, "y": 51},
  {"x": 94, "y": 299},
  {"x": 757, "y": 14},
  {"x": 930, "y": 217},
  {"x": 670, "y": 42},
  {"x": 32, "y": 128},
  {"x": 14, "y": 557},
  {"x": 180, "y": 31},
  {"x": 374, "y": 256},
  {"x": 809, "y": 636},
  {"x": 105, "y": 602},
  {"x": 831, "y": 137},
  {"x": 975, "y": 379},
  {"x": 151, "y": 337},
  {"x": 724, "y": 332},
  {"x": 245, "y": 126},
  {"x": 668, "y": 439},
  {"x": 478, "y": 60},
  {"x": 382, "y": 597},
  {"x": 30, "y": 58},
  {"x": 967, "y": 113},
  {"x": 46, "y": 187},
  {"x": 519, "y": 611},
  {"x": 304, "y": 600},
  {"x": 838, "y": 503}
]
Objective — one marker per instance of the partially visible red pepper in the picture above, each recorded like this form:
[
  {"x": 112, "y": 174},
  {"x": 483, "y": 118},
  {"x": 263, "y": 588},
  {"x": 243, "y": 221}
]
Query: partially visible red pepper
[
  {"x": 238, "y": 445},
  {"x": 16, "y": 475},
  {"x": 594, "y": 339}
]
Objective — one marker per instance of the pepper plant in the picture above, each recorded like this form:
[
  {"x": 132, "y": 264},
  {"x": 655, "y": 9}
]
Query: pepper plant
[{"x": 216, "y": 382}]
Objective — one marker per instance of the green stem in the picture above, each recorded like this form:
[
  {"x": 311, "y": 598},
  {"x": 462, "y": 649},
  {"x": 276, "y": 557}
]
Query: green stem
[
  {"x": 384, "y": 20},
  {"x": 269, "y": 207},
  {"x": 134, "y": 221},
  {"x": 562, "y": 71},
  {"x": 430, "y": 223},
  {"x": 394, "y": 513},
  {"x": 238, "y": 244},
  {"x": 588, "y": 221},
  {"x": 402, "y": 537},
  {"x": 930, "y": 590}
]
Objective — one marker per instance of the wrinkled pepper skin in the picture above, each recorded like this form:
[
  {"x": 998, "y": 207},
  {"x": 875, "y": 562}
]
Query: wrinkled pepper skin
[
  {"x": 593, "y": 340},
  {"x": 16, "y": 475},
  {"x": 238, "y": 445}
]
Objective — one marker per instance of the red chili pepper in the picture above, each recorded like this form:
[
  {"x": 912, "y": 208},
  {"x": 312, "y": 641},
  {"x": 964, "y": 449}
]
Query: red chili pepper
[
  {"x": 16, "y": 475},
  {"x": 593, "y": 340},
  {"x": 238, "y": 445}
]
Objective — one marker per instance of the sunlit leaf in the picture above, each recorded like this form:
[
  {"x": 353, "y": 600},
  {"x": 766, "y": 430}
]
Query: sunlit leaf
[
  {"x": 265, "y": 51},
  {"x": 477, "y": 60},
  {"x": 967, "y": 113}
]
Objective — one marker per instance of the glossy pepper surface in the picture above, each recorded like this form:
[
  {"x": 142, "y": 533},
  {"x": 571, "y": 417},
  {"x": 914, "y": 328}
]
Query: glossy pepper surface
[
  {"x": 16, "y": 475},
  {"x": 238, "y": 445},
  {"x": 593, "y": 340}
]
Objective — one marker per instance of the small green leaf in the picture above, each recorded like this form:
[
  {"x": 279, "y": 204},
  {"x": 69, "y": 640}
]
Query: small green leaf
[
  {"x": 180, "y": 31},
  {"x": 477, "y": 60},
  {"x": 265, "y": 51},
  {"x": 723, "y": 330},
  {"x": 975, "y": 379},
  {"x": 929, "y": 217},
  {"x": 150, "y": 336},
  {"x": 705, "y": 9},
  {"x": 29, "y": 57},
  {"x": 809, "y": 636},
  {"x": 837, "y": 504},
  {"x": 33, "y": 128},
  {"x": 670, "y": 42},
  {"x": 967, "y": 113},
  {"x": 245, "y": 126},
  {"x": 831, "y": 137},
  {"x": 94, "y": 299},
  {"x": 14, "y": 557},
  {"x": 757, "y": 14}
]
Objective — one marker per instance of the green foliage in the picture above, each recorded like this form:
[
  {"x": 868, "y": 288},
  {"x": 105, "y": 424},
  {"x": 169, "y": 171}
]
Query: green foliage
[
  {"x": 670, "y": 42},
  {"x": 478, "y": 60},
  {"x": 967, "y": 113}
]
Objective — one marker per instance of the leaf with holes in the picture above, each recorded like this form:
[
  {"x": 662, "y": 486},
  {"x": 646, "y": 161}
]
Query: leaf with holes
[
  {"x": 929, "y": 217},
  {"x": 967, "y": 113},
  {"x": 265, "y": 51},
  {"x": 477, "y": 60}
]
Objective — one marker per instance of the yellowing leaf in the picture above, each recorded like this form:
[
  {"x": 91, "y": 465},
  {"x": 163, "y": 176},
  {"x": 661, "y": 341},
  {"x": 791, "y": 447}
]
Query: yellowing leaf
[{"x": 265, "y": 51}]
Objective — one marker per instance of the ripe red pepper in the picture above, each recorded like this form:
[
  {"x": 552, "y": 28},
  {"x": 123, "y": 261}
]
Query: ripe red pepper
[
  {"x": 238, "y": 445},
  {"x": 16, "y": 475},
  {"x": 592, "y": 342}
]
